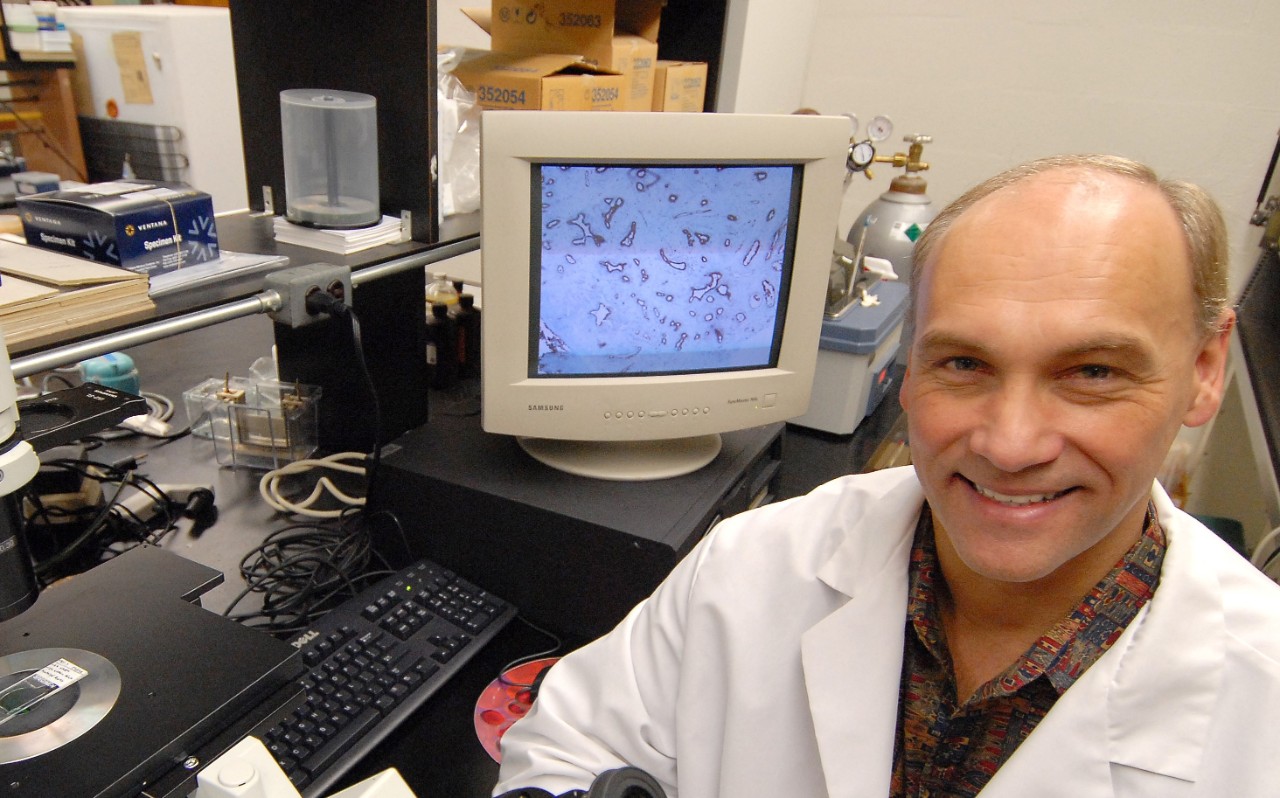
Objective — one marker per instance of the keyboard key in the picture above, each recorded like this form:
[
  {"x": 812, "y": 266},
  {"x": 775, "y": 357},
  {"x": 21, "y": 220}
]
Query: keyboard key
[{"x": 340, "y": 742}]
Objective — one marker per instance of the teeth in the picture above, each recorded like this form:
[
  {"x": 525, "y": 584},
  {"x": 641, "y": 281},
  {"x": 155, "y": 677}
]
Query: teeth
[{"x": 1015, "y": 501}]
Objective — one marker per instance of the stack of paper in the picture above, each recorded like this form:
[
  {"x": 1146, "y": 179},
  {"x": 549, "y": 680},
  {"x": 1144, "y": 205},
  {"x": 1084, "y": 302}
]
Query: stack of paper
[
  {"x": 46, "y": 296},
  {"x": 345, "y": 242}
]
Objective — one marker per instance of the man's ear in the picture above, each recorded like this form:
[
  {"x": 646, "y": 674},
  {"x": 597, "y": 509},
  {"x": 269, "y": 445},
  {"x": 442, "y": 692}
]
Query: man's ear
[
  {"x": 903, "y": 401},
  {"x": 1210, "y": 372}
]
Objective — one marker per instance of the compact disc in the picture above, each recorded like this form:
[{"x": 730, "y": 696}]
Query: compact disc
[
  {"x": 504, "y": 701},
  {"x": 62, "y": 718}
]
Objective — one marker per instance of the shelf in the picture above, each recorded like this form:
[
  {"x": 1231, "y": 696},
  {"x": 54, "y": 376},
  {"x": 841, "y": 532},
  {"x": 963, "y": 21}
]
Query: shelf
[{"x": 18, "y": 65}]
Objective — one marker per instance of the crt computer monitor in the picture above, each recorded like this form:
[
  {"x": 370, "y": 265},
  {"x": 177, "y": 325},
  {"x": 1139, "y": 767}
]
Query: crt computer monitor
[{"x": 652, "y": 280}]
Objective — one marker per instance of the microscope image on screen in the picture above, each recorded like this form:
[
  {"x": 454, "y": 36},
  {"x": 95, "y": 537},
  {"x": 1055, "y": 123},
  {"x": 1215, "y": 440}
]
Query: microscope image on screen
[{"x": 661, "y": 269}]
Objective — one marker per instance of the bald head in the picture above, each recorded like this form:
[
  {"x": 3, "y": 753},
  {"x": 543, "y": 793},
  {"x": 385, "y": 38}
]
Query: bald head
[{"x": 1101, "y": 178}]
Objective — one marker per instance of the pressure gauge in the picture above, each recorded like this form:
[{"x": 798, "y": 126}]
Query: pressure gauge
[
  {"x": 853, "y": 123},
  {"x": 879, "y": 128},
  {"x": 861, "y": 155}
]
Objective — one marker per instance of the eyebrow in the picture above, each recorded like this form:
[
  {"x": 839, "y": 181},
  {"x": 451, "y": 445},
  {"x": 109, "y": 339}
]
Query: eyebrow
[{"x": 1132, "y": 349}]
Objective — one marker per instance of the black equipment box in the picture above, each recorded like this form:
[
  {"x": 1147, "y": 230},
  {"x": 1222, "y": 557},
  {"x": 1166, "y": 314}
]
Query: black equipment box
[{"x": 574, "y": 554}]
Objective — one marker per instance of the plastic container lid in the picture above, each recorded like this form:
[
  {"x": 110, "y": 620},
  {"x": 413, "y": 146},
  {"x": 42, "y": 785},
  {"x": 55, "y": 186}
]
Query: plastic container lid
[
  {"x": 325, "y": 98},
  {"x": 861, "y": 330}
]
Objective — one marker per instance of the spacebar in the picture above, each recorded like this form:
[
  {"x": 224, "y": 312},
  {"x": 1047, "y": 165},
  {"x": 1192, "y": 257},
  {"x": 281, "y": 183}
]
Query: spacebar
[{"x": 325, "y": 755}]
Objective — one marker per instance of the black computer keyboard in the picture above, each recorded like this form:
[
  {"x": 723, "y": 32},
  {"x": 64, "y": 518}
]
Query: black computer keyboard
[{"x": 372, "y": 661}]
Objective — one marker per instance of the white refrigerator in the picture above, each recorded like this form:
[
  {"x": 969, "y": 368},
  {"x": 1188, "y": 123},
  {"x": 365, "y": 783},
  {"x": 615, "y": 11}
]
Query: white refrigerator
[{"x": 158, "y": 83}]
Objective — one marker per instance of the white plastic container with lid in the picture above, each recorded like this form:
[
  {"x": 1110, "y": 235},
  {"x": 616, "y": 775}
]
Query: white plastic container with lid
[{"x": 855, "y": 353}]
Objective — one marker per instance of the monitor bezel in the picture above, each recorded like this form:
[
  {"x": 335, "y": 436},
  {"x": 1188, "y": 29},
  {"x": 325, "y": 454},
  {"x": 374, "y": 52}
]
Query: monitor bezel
[{"x": 621, "y": 408}]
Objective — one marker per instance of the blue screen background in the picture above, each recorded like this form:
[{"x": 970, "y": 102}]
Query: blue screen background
[{"x": 660, "y": 269}]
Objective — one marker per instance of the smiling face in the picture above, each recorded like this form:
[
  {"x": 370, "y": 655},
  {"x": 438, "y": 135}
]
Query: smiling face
[{"x": 1055, "y": 356}]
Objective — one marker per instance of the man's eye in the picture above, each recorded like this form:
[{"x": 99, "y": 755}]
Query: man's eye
[
  {"x": 1095, "y": 372},
  {"x": 964, "y": 364}
]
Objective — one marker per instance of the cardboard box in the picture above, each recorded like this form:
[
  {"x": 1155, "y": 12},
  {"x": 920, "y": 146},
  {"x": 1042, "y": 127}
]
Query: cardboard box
[
  {"x": 546, "y": 82},
  {"x": 141, "y": 225},
  {"x": 574, "y": 27},
  {"x": 636, "y": 58},
  {"x": 621, "y": 38},
  {"x": 680, "y": 86}
]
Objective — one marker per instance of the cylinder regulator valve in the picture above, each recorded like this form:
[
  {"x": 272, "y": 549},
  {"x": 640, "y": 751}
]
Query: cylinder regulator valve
[{"x": 909, "y": 182}]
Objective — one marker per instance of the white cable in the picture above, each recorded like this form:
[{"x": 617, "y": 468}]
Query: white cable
[
  {"x": 1265, "y": 548},
  {"x": 160, "y": 405},
  {"x": 269, "y": 485}
]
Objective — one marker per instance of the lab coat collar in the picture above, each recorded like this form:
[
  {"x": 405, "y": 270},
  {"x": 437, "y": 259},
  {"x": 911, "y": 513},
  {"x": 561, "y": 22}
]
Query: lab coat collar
[
  {"x": 1146, "y": 704},
  {"x": 853, "y": 657}
]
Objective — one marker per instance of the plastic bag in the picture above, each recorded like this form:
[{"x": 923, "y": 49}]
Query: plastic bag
[{"x": 459, "y": 126}]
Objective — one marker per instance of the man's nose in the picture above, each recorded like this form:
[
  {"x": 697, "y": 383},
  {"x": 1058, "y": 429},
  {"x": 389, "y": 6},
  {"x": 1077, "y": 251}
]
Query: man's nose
[{"x": 1019, "y": 429}]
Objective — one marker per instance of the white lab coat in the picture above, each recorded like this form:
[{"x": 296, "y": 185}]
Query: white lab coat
[{"x": 767, "y": 664}]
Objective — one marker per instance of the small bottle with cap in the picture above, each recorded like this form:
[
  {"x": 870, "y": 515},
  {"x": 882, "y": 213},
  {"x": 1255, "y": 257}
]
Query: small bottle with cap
[
  {"x": 442, "y": 347},
  {"x": 467, "y": 317},
  {"x": 440, "y": 291}
]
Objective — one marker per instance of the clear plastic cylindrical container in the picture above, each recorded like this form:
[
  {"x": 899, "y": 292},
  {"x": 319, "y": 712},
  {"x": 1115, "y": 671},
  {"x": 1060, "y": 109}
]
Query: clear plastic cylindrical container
[{"x": 330, "y": 157}]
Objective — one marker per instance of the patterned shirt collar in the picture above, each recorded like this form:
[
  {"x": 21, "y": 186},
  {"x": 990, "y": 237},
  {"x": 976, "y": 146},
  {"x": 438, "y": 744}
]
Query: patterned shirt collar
[{"x": 1066, "y": 650}]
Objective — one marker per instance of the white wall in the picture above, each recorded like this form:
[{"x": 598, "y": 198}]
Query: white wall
[{"x": 1188, "y": 87}]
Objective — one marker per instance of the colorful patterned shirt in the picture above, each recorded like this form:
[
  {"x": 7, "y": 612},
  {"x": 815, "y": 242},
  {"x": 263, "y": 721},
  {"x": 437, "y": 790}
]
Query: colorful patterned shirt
[{"x": 949, "y": 751}]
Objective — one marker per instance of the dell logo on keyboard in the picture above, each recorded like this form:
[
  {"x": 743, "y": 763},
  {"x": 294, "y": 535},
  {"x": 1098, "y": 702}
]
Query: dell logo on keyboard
[{"x": 306, "y": 638}]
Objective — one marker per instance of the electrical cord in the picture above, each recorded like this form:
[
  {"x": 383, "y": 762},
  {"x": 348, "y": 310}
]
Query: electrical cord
[
  {"x": 303, "y": 570},
  {"x": 160, "y": 406},
  {"x": 515, "y": 663},
  {"x": 323, "y": 302},
  {"x": 146, "y": 513},
  {"x": 48, "y": 567},
  {"x": 50, "y": 377},
  {"x": 271, "y": 490},
  {"x": 1266, "y": 552},
  {"x": 45, "y": 140}
]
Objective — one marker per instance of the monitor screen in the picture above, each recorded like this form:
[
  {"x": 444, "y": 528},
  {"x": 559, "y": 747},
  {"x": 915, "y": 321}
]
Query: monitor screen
[
  {"x": 659, "y": 269},
  {"x": 651, "y": 280}
]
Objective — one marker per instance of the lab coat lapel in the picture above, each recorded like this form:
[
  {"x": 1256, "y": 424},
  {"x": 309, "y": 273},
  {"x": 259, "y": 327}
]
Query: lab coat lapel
[
  {"x": 1146, "y": 704},
  {"x": 1168, "y": 682},
  {"x": 853, "y": 658},
  {"x": 1068, "y": 754}
]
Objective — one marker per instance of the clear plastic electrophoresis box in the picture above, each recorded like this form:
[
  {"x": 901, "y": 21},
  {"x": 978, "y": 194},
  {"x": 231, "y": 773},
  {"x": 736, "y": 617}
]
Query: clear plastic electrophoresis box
[{"x": 254, "y": 424}]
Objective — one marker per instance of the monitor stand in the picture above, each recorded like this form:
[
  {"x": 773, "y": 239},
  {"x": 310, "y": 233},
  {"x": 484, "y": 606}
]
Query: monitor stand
[{"x": 625, "y": 461}]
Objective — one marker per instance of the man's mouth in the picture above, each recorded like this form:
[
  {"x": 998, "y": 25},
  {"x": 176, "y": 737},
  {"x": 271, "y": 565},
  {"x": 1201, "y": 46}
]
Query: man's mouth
[{"x": 1021, "y": 500}]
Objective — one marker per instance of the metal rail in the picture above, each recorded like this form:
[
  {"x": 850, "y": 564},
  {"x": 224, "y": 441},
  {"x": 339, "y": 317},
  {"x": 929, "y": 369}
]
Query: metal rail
[{"x": 262, "y": 302}]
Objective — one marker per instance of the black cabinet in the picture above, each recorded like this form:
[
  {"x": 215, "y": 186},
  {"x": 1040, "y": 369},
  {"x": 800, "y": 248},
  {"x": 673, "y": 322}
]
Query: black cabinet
[{"x": 386, "y": 49}]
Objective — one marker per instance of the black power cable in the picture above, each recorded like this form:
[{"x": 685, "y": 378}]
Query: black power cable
[{"x": 322, "y": 302}]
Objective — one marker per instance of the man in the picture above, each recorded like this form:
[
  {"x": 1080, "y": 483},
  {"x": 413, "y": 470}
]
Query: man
[{"x": 1024, "y": 612}]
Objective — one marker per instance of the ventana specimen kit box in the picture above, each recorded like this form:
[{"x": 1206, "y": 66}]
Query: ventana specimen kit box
[{"x": 141, "y": 225}]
